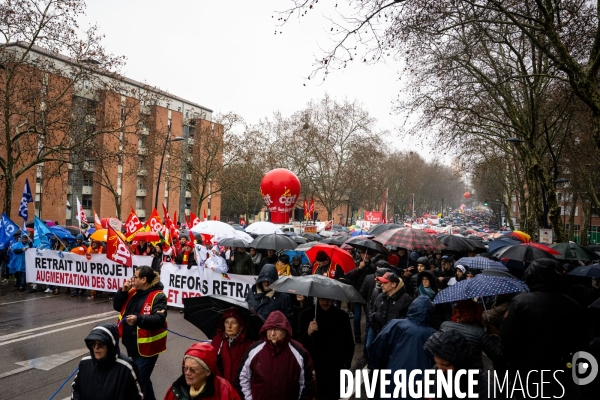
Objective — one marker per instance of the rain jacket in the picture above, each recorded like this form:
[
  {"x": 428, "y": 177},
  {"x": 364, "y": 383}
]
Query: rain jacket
[
  {"x": 230, "y": 353},
  {"x": 242, "y": 264},
  {"x": 543, "y": 327},
  {"x": 400, "y": 344},
  {"x": 357, "y": 275},
  {"x": 391, "y": 307},
  {"x": 331, "y": 347},
  {"x": 265, "y": 303},
  {"x": 281, "y": 371},
  {"x": 17, "y": 257},
  {"x": 113, "y": 377},
  {"x": 150, "y": 322},
  {"x": 478, "y": 341},
  {"x": 216, "y": 387}
]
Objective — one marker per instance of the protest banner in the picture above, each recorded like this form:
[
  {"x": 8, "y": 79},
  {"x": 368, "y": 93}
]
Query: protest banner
[
  {"x": 97, "y": 272},
  {"x": 180, "y": 283},
  {"x": 94, "y": 272}
]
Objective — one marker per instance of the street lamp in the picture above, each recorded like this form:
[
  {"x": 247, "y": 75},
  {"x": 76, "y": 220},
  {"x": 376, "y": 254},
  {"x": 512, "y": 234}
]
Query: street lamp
[{"x": 175, "y": 139}]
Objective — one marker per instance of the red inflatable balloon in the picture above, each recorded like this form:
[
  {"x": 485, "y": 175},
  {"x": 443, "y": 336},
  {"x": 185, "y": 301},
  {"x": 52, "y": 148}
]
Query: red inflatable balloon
[
  {"x": 280, "y": 189},
  {"x": 467, "y": 195}
]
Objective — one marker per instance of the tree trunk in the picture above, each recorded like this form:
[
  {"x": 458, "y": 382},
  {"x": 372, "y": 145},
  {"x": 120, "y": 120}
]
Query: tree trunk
[
  {"x": 9, "y": 180},
  {"x": 583, "y": 236},
  {"x": 574, "y": 200}
]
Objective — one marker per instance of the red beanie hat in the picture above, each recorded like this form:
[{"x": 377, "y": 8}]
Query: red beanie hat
[{"x": 205, "y": 354}]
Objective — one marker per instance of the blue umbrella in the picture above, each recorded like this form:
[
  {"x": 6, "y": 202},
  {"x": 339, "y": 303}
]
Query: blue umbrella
[
  {"x": 480, "y": 286},
  {"x": 591, "y": 271},
  {"x": 293, "y": 253},
  {"x": 499, "y": 243},
  {"x": 359, "y": 232},
  {"x": 61, "y": 233},
  {"x": 481, "y": 263}
]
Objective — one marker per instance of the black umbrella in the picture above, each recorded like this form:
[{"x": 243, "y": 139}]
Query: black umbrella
[
  {"x": 478, "y": 245},
  {"x": 366, "y": 244},
  {"x": 317, "y": 286},
  {"x": 573, "y": 251},
  {"x": 456, "y": 243},
  {"x": 206, "y": 311},
  {"x": 274, "y": 242},
  {"x": 497, "y": 272},
  {"x": 299, "y": 239},
  {"x": 233, "y": 242},
  {"x": 379, "y": 229},
  {"x": 313, "y": 237},
  {"x": 335, "y": 240},
  {"x": 524, "y": 253}
]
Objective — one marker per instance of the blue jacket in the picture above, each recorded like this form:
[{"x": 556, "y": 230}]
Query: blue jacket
[
  {"x": 399, "y": 345},
  {"x": 17, "y": 257}
]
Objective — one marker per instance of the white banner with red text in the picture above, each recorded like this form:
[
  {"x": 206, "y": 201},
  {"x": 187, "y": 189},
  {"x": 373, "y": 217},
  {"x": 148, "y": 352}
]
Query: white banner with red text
[
  {"x": 97, "y": 272},
  {"x": 180, "y": 282}
]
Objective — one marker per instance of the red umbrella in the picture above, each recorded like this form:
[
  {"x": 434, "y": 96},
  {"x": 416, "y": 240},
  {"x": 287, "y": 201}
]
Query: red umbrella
[
  {"x": 147, "y": 236},
  {"x": 337, "y": 255}
]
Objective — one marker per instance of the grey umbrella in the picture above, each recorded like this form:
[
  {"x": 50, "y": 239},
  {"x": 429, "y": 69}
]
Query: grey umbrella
[
  {"x": 233, "y": 242},
  {"x": 317, "y": 286},
  {"x": 274, "y": 242}
]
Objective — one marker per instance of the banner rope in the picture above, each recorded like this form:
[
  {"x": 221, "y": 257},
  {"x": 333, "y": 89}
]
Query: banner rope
[{"x": 64, "y": 383}]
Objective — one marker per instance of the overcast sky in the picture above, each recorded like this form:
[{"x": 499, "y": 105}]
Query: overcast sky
[{"x": 225, "y": 56}]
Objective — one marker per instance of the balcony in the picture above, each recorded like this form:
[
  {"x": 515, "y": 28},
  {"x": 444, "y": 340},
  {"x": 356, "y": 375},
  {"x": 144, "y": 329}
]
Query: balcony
[
  {"x": 140, "y": 212},
  {"x": 144, "y": 131},
  {"x": 87, "y": 189},
  {"x": 141, "y": 192},
  {"x": 144, "y": 109},
  {"x": 188, "y": 194},
  {"x": 142, "y": 151},
  {"x": 38, "y": 188},
  {"x": 88, "y": 166},
  {"x": 142, "y": 172},
  {"x": 190, "y": 141},
  {"x": 69, "y": 190}
]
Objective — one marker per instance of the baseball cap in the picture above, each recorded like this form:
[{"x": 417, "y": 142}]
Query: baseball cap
[{"x": 389, "y": 277}]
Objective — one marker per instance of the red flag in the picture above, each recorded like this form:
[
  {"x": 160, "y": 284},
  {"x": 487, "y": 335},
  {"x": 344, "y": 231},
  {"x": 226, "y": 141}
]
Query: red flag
[
  {"x": 116, "y": 249},
  {"x": 194, "y": 220},
  {"x": 97, "y": 222},
  {"x": 311, "y": 209},
  {"x": 204, "y": 215},
  {"x": 305, "y": 206},
  {"x": 156, "y": 224},
  {"x": 215, "y": 218},
  {"x": 328, "y": 225},
  {"x": 132, "y": 225}
]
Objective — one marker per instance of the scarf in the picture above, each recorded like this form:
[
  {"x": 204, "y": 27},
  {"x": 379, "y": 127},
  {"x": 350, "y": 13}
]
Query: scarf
[
  {"x": 427, "y": 291},
  {"x": 231, "y": 339}
]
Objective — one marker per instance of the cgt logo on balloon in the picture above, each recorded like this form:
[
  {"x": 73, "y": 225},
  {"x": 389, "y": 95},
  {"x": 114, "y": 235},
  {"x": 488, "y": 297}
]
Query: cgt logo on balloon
[{"x": 280, "y": 189}]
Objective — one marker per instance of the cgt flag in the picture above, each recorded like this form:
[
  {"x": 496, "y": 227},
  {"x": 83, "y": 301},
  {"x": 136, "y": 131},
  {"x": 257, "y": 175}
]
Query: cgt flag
[
  {"x": 311, "y": 209},
  {"x": 306, "y": 213},
  {"x": 25, "y": 199},
  {"x": 7, "y": 230},
  {"x": 40, "y": 234},
  {"x": 116, "y": 249},
  {"x": 83, "y": 222}
]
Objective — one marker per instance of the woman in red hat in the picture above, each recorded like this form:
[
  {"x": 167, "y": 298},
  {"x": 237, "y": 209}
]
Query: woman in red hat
[{"x": 199, "y": 379}]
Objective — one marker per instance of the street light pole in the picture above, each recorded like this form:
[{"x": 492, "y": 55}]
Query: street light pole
[{"x": 167, "y": 140}]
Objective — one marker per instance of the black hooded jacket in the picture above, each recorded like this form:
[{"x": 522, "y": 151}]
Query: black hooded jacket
[
  {"x": 151, "y": 322},
  {"x": 112, "y": 377},
  {"x": 265, "y": 303},
  {"x": 391, "y": 307}
]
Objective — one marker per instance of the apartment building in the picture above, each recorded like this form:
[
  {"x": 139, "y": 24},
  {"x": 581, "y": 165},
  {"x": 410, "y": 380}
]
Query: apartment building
[{"x": 121, "y": 168}]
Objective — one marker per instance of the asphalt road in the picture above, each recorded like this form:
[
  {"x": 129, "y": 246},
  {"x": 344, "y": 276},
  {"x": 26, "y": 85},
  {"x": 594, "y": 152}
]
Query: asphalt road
[
  {"x": 36, "y": 325},
  {"x": 41, "y": 342}
]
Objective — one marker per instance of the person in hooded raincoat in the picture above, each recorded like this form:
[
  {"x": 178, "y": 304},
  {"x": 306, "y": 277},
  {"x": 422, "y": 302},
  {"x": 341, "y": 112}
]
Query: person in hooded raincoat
[
  {"x": 16, "y": 265},
  {"x": 199, "y": 378},
  {"x": 231, "y": 343},
  {"x": 105, "y": 373},
  {"x": 400, "y": 344},
  {"x": 543, "y": 327},
  {"x": 277, "y": 367},
  {"x": 262, "y": 299}
]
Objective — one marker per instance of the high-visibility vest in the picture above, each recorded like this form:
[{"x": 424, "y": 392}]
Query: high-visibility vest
[{"x": 149, "y": 342}]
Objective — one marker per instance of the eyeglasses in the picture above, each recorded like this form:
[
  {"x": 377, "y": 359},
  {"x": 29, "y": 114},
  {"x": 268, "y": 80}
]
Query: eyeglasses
[
  {"x": 136, "y": 277},
  {"x": 192, "y": 370},
  {"x": 97, "y": 343}
]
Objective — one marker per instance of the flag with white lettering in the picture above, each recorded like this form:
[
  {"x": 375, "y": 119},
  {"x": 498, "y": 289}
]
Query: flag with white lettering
[
  {"x": 25, "y": 199},
  {"x": 132, "y": 225},
  {"x": 116, "y": 249},
  {"x": 7, "y": 230},
  {"x": 83, "y": 222}
]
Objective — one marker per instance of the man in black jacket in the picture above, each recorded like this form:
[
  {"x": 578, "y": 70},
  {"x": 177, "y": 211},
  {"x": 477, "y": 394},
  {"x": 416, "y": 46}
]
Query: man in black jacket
[
  {"x": 262, "y": 299},
  {"x": 105, "y": 373},
  {"x": 143, "y": 322},
  {"x": 392, "y": 303},
  {"x": 328, "y": 338}
]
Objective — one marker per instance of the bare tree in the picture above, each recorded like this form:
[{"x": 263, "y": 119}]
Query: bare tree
[{"x": 45, "y": 61}]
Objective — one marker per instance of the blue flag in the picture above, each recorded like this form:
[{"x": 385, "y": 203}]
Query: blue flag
[
  {"x": 7, "y": 230},
  {"x": 25, "y": 199},
  {"x": 40, "y": 240}
]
